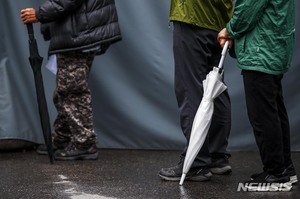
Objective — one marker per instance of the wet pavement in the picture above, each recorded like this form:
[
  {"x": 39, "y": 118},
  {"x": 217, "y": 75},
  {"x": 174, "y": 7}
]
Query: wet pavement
[{"x": 123, "y": 174}]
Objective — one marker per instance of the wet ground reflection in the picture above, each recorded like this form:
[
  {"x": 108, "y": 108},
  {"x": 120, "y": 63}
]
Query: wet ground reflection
[{"x": 123, "y": 174}]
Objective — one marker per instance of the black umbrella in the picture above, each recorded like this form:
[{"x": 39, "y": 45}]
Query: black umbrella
[{"x": 36, "y": 63}]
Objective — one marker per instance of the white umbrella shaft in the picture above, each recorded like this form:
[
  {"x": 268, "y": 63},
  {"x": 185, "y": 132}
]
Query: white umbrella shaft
[{"x": 223, "y": 54}]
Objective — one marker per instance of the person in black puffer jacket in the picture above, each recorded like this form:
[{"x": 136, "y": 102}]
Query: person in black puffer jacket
[{"x": 78, "y": 30}]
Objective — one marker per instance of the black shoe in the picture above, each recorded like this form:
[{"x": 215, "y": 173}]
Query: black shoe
[
  {"x": 194, "y": 174},
  {"x": 71, "y": 152},
  {"x": 268, "y": 182},
  {"x": 290, "y": 170},
  {"x": 220, "y": 166},
  {"x": 42, "y": 149},
  {"x": 255, "y": 175}
]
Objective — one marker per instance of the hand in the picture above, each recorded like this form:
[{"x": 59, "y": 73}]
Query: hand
[
  {"x": 223, "y": 37},
  {"x": 28, "y": 15}
]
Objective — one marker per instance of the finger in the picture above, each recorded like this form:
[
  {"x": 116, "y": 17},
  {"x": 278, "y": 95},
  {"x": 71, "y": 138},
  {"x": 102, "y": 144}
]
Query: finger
[
  {"x": 219, "y": 37},
  {"x": 24, "y": 10},
  {"x": 221, "y": 41},
  {"x": 27, "y": 11},
  {"x": 23, "y": 18},
  {"x": 24, "y": 13}
]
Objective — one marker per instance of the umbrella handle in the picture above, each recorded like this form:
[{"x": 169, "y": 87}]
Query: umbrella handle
[{"x": 224, "y": 51}]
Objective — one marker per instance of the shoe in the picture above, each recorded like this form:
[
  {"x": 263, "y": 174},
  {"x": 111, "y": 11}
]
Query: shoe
[
  {"x": 72, "y": 152},
  {"x": 268, "y": 182},
  {"x": 195, "y": 174},
  {"x": 255, "y": 175},
  {"x": 220, "y": 166},
  {"x": 290, "y": 170},
  {"x": 42, "y": 149}
]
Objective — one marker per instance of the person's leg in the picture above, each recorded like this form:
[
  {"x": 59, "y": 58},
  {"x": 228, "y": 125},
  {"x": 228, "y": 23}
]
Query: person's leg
[
  {"x": 219, "y": 134},
  {"x": 61, "y": 134},
  {"x": 191, "y": 67},
  {"x": 285, "y": 126},
  {"x": 75, "y": 105},
  {"x": 194, "y": 51},
  {"x": 261, "y": 92}
]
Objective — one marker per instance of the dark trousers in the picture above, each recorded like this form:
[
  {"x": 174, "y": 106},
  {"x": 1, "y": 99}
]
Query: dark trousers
[
  {"x": 196, "y": 52},
  {"x": 269, "y": 119}
]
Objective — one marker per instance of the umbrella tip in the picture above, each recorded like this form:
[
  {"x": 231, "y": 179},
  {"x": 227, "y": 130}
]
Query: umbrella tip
[
  {"x": 182, "y": 179},
  {"x": 51, "y": 159}
]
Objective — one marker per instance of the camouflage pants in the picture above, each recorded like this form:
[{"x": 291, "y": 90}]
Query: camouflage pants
[{"x": 72, "y": 99}]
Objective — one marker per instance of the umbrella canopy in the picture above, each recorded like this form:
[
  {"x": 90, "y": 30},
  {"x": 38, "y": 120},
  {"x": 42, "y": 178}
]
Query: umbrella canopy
[
  {"x": 212, "y": 88},
  {"x": 36, "y": 63}
]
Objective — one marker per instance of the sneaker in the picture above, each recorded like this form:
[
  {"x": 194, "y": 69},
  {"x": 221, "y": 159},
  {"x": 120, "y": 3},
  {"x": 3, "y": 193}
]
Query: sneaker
[
  {"x": 290, "y": 170},
  {"x": 220, "y": 166},
  {"x": 195, "y": 174},
  {"x": 255, "y": 175},
  {"x": 42, "y": 149},
  {"x": 71, "y": 152},
  {"x": 268, "y": 182}
]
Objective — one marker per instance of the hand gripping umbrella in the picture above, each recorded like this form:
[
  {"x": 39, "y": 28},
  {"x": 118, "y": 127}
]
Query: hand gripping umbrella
[
  {"x": 212, "y": 88},
  {"x": 36, "y": 62}
]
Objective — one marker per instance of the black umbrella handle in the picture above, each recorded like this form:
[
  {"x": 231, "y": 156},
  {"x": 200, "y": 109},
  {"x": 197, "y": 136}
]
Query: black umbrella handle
[{"x": 30, "y": 31}]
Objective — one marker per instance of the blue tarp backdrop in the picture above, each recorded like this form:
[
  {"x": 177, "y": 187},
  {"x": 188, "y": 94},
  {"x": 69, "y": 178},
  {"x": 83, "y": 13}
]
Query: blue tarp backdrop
[{"x": 132, "y": 84}]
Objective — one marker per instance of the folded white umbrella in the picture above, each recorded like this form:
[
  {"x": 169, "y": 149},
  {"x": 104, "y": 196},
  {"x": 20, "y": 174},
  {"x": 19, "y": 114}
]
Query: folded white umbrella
[{"x": 212, "y": 88}]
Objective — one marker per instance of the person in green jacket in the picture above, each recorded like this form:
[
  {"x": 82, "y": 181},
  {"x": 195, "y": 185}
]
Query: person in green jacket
[
  {"x": 196, "y": 51},
  {"x": 263, "y": 34}
]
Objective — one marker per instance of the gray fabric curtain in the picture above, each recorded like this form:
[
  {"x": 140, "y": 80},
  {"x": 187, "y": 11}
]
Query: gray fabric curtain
[{"x": 132, "y": 84}]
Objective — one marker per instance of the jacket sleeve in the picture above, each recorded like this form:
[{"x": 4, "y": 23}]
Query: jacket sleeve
[
  {"x": 44, "y": 28},
  {"x": 52, "y": 10},
  {"x": 246, "y": 15}
]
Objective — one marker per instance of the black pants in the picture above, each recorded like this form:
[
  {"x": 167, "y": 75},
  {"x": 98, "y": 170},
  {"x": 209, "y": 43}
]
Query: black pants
[
  {"x": 196, "y": 52},
  {"x": 269, "y": 119}
]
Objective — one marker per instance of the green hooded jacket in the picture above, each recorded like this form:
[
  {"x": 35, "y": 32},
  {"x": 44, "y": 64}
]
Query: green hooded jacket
[
  {"x": 210, "y": 14},
  {"x": 263, "y": 31}
]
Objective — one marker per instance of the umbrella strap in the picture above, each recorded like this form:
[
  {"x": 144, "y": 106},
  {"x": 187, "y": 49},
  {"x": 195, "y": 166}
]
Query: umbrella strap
[{"x": 207, "y": 99}]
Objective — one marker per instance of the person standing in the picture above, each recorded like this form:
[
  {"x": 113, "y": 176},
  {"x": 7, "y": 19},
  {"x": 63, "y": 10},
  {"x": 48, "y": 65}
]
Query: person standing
[
  {"x": 78, "y": 30},
  {"x": 196, "y": 51},
  {"x": 263, "y": 33}
]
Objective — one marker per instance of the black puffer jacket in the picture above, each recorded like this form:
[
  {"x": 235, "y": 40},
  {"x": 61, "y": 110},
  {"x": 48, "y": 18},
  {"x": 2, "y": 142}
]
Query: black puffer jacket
[{"x": 78, "y": 24}]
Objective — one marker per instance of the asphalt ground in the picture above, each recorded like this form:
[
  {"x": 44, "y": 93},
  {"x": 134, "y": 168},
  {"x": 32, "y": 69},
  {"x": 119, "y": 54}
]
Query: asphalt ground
[{"x": 124, "y": 174}]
